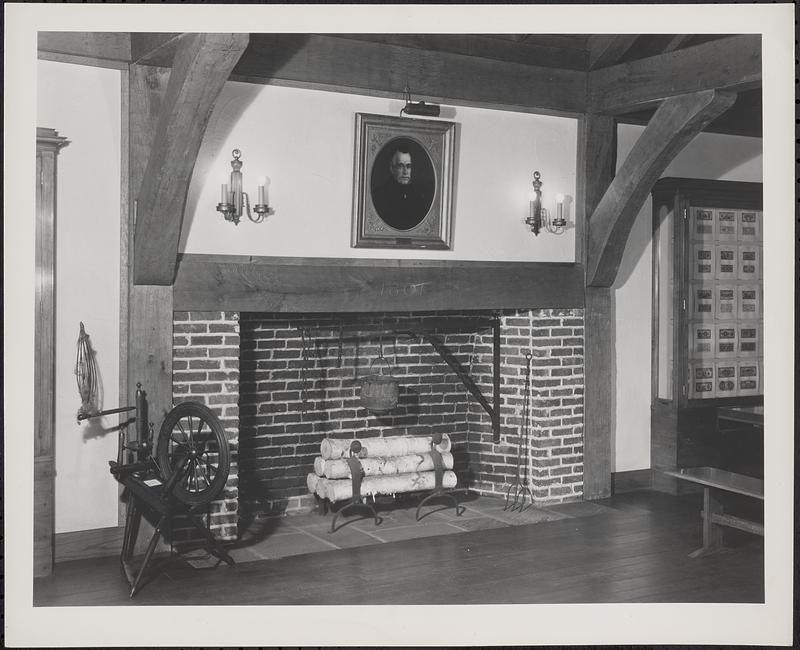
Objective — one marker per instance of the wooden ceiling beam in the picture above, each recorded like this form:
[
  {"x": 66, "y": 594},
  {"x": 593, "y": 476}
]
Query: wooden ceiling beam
[
  {"x": 488, "y": 46},
  {"x": 607, "y": 49},
  {"x": 678, "y": 41},
  {"x": 102, "y": 49},
  {"x": 674, "y": 124},
  {"x": 380, "y": 69},
  {"x": 201, "y": 67},
  {"x": 732, "y": 63},
  {"x": 153, "y": 48}
]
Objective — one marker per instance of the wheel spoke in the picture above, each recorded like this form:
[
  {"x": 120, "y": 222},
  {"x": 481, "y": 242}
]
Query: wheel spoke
[
  {"x": 178, "y": 443},
  {"x": 202, "y": 474}
]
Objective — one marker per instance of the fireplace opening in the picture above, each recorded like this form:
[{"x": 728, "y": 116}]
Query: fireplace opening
[{"x": 282, "y": 383}]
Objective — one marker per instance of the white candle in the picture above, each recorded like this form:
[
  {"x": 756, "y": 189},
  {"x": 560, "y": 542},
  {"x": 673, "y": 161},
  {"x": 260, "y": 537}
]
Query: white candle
[
  {"x": 224, "y": 193},
  {"x": 559, "y": 206},
  {"x": 262, "y": 191}
]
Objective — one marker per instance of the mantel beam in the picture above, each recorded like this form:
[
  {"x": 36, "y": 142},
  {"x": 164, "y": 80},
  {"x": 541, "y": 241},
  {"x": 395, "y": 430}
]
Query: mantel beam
[
  {"x": 202, "y": 65},
  {"x": 732, "y": 63},
  {"x": 673, "y": 125},
  {"x": 240, "y": 283}
]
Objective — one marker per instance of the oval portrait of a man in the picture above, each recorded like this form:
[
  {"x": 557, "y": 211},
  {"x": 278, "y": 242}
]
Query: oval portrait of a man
[{"x": 402, "y": 183}]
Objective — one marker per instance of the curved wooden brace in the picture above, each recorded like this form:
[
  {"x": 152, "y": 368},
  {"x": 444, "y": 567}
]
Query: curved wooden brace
[
  {"x": 202, "y": 65},
  {"x": 676, "y": 122}
]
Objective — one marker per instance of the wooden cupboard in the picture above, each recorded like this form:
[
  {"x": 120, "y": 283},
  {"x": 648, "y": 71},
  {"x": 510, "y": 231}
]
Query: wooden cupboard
[{"x": 707, "y": 323}]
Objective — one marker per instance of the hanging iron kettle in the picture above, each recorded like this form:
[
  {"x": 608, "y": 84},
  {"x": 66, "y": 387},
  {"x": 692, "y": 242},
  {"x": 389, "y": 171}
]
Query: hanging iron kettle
[{"x": 379, "y": 390}]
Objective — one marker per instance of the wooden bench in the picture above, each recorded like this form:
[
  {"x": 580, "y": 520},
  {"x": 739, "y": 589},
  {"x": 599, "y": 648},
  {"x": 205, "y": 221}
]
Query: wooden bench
[{"x": 715, "y": 481}]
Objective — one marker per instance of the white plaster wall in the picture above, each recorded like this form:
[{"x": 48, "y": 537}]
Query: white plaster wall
[
  {"x": 303, "y": 140},
  {"x": 710, "y": 156},
  {"x": 83, "y": 104}
]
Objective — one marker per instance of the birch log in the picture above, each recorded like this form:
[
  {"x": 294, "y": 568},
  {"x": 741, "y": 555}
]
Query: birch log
[
  {"x": 332, "y": 448},
  {"x": 385, "y": 466},
  {"x": 341, "y": 489},
  {"x": 311, "y": 481}
]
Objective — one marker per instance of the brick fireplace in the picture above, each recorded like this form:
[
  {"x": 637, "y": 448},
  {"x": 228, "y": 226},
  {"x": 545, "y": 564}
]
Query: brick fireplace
[{"x": 282, "y": 382}]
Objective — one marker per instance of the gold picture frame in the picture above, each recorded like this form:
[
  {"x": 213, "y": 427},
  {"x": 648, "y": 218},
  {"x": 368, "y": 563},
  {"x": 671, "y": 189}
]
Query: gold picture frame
[{"x": 404, "y": 181}]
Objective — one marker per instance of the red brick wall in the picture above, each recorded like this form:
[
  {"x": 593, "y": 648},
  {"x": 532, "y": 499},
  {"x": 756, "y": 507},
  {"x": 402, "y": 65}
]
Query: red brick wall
[
  {"x": 206, "y": 369},
  {"x": 293, "y": 388},
  {"x": 553, "y": 463}
]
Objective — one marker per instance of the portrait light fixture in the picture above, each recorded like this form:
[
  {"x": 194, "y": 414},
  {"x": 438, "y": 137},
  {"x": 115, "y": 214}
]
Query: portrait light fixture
[
  {"x": 418, "y": 108},
  {"x": 234, "y": 201},
  {"x": 539, "y": 216}
]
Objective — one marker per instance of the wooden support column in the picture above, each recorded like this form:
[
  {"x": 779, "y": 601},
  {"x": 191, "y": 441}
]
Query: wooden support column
[
  {"x": 600, "y": 392},
  {"x": 149, "y": 343},
  {"x": 597, "y": 155},
  {"x": 48, "y": 143}
]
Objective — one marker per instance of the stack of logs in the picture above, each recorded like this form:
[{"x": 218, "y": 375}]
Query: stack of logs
[{"x": 391, "y": 465}]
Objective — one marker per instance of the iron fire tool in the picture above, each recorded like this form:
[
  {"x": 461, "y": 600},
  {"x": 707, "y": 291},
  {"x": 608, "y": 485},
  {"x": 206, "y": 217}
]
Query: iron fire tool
[
  {"x": 356, "y": 474},
  {"x": 438, "y": 490},
  {"x": 521, "y": 488}
]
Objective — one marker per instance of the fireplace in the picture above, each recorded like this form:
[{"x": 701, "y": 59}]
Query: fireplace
[{"x": 283, "y": 382}]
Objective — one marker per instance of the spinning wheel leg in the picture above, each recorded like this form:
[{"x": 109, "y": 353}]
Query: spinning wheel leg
[{"x": 151, "y": 547}]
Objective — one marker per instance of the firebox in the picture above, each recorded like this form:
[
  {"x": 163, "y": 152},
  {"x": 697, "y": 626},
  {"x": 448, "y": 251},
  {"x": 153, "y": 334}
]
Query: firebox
[{"x": 283, "y": 382}]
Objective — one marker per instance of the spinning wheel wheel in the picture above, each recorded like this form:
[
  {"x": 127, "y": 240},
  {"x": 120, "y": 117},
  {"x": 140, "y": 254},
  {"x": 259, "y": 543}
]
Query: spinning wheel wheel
[{"x": 192, "y": 443}]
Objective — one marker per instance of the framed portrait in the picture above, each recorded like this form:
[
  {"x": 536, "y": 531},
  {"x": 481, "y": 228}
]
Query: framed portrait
[{"x": 403, "y": 185}]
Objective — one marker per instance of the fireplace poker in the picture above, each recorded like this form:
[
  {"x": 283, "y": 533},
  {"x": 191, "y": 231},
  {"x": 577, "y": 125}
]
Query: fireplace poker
[{"x": 521, "y": 487}]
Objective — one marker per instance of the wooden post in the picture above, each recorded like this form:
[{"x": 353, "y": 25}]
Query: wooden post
[
  {"x": 150, "y": 308},
  {"x": 600, "y": 399},
  {"x": 48, "y": 144},
  {"x": 597, "y": 155},
  {"x": 149, "y": 327}
]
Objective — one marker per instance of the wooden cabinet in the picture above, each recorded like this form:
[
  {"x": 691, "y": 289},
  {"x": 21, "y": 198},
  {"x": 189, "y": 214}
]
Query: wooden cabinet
[
  {"x": 48, "y": 143},
  {"x": 707, "y": 319}
]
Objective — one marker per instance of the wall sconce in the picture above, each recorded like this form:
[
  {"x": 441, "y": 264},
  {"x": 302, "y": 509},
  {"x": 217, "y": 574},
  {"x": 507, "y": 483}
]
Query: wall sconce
[
  {"x": 234, "y": 201},
  {"x": 538, "y": 216}
]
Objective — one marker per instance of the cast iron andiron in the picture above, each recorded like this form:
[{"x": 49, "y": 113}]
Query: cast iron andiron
[
  {"x": 439, "y": 491},
  {"x": 356, "y": 502}
]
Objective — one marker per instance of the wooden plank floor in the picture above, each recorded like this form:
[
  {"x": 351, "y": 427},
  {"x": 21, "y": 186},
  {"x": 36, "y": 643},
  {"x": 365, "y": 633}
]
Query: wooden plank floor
[{"x": 636, "y": 550}]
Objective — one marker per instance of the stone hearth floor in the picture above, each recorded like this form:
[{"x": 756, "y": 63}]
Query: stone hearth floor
[{"x": 273, "y": 537}]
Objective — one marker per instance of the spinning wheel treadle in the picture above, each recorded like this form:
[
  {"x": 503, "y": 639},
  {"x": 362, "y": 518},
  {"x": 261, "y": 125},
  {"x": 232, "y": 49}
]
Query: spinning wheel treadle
[{"x": 192, "y": 443}]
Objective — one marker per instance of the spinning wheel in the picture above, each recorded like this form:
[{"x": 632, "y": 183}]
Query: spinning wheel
[
  {"x": 192, "y": 443},
  {"x": 188, "y": 469}
]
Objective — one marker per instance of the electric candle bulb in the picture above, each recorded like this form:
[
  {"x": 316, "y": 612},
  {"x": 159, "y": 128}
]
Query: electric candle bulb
[
  {"x": 224, "y": 193},
  {"x": 560, "y": 207},
  {"x": 262, "y": 192}
]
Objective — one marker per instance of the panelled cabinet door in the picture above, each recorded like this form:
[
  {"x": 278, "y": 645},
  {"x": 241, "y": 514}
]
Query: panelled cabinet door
[
  {"x": 48, "y": 144},
  {"x": 707, "y": 311}
]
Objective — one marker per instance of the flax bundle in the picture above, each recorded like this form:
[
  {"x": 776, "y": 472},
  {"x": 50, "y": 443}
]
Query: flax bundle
[
  {"x": 341, "y": 489},
  {"x": 385, "y": 466},
  {"x": 332, "y": 448}
]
